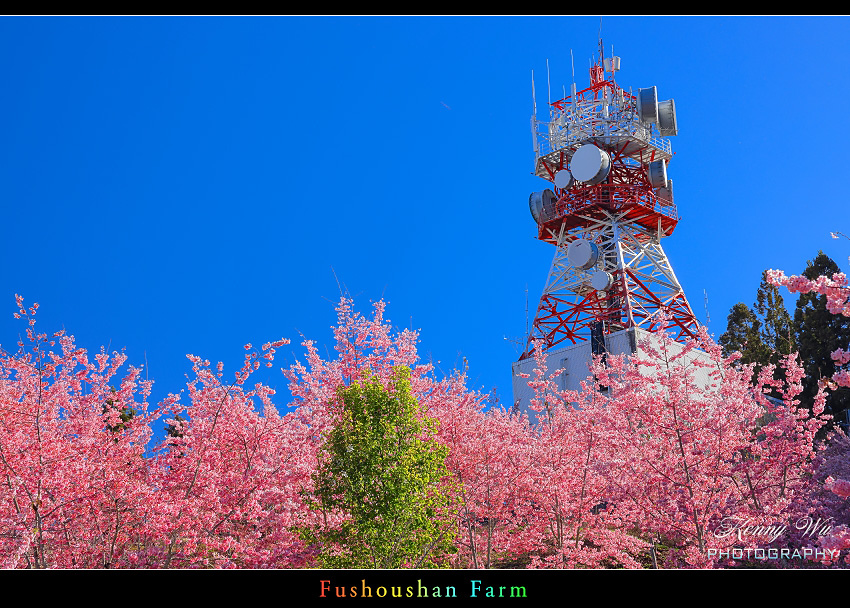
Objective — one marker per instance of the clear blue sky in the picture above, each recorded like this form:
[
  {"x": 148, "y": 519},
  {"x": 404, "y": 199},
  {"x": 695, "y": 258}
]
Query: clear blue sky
[{"x": 187, "y": 185}]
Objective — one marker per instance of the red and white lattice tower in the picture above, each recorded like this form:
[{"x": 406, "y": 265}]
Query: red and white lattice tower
[{"x": 606, "y": 152}]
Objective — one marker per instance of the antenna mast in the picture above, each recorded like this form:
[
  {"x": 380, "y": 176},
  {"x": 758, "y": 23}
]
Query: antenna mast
[{"x": 533, "y": 96}]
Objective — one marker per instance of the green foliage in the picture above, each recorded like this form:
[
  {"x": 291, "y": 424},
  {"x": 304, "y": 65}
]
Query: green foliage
[
  {"x": 125, "y": 414},
  {"x": 175, "y": 430},
  {"x": 384, "y": 474},
  {"x": 762, "y": 334},
  {"x": 743, "y": 334},
  {"x": 819, "y": 333},
  {"x": 766, "y": 333},
  {"x": 776, "y": 328}
]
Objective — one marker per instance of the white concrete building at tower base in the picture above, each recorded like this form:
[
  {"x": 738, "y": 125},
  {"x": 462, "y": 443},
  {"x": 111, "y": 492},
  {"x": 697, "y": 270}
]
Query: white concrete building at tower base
[{"x": 575, "y": 360}]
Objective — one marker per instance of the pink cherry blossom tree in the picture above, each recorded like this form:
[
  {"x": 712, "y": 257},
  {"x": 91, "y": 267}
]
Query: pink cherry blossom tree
[
  {"x": 679, "y": 457},
  {"x": 489, "y": 456},
  {"x": 829, "y": 494},
  {"x": 641, "y": 454},
  {"x": 227, "y": 479},
  {"x": 569, "y": 483},
  {"x": 837, "y": 292},
  {"x": 74, "y": 489}
]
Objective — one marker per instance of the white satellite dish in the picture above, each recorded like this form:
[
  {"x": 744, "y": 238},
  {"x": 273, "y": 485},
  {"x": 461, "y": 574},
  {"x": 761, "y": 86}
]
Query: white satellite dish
[
  {"x": 582, "y": 254},
  {"x": 667, "y": 118},
  {"x": 542, "y": 205},
  {"x": 658, "y": 174},
  {"x": 647, "y": 105},
  {"x": 590, "y": 164},
  {"x": 563, "y": 179},
  {"x": 601, "y": 280}
]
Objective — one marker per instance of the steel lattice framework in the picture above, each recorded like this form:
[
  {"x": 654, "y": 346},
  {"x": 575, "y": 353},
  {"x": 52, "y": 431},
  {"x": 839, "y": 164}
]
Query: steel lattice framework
[{"x": 625, "y": 215}]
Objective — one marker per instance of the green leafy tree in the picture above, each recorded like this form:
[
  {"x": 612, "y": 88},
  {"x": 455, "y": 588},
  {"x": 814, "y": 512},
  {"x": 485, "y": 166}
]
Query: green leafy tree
[
  {"x": 776, "y": 325},
  {"x": 382, "y": 485},
  {"x": 776, "y": 328},
  {"x": 743, "y": 334},
  {"x": 762, "y": 334},
  {"x": 819, "y": 333}
]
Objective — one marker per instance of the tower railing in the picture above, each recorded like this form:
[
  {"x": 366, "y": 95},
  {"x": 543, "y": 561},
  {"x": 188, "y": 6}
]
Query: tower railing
[
  {"x": 555, "y": 136},
  {"x": 615, "y": 197}
]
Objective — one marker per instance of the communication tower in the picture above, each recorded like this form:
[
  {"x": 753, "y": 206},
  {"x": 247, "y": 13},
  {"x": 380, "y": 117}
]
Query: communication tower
[{"x": 606, "y": 152}]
